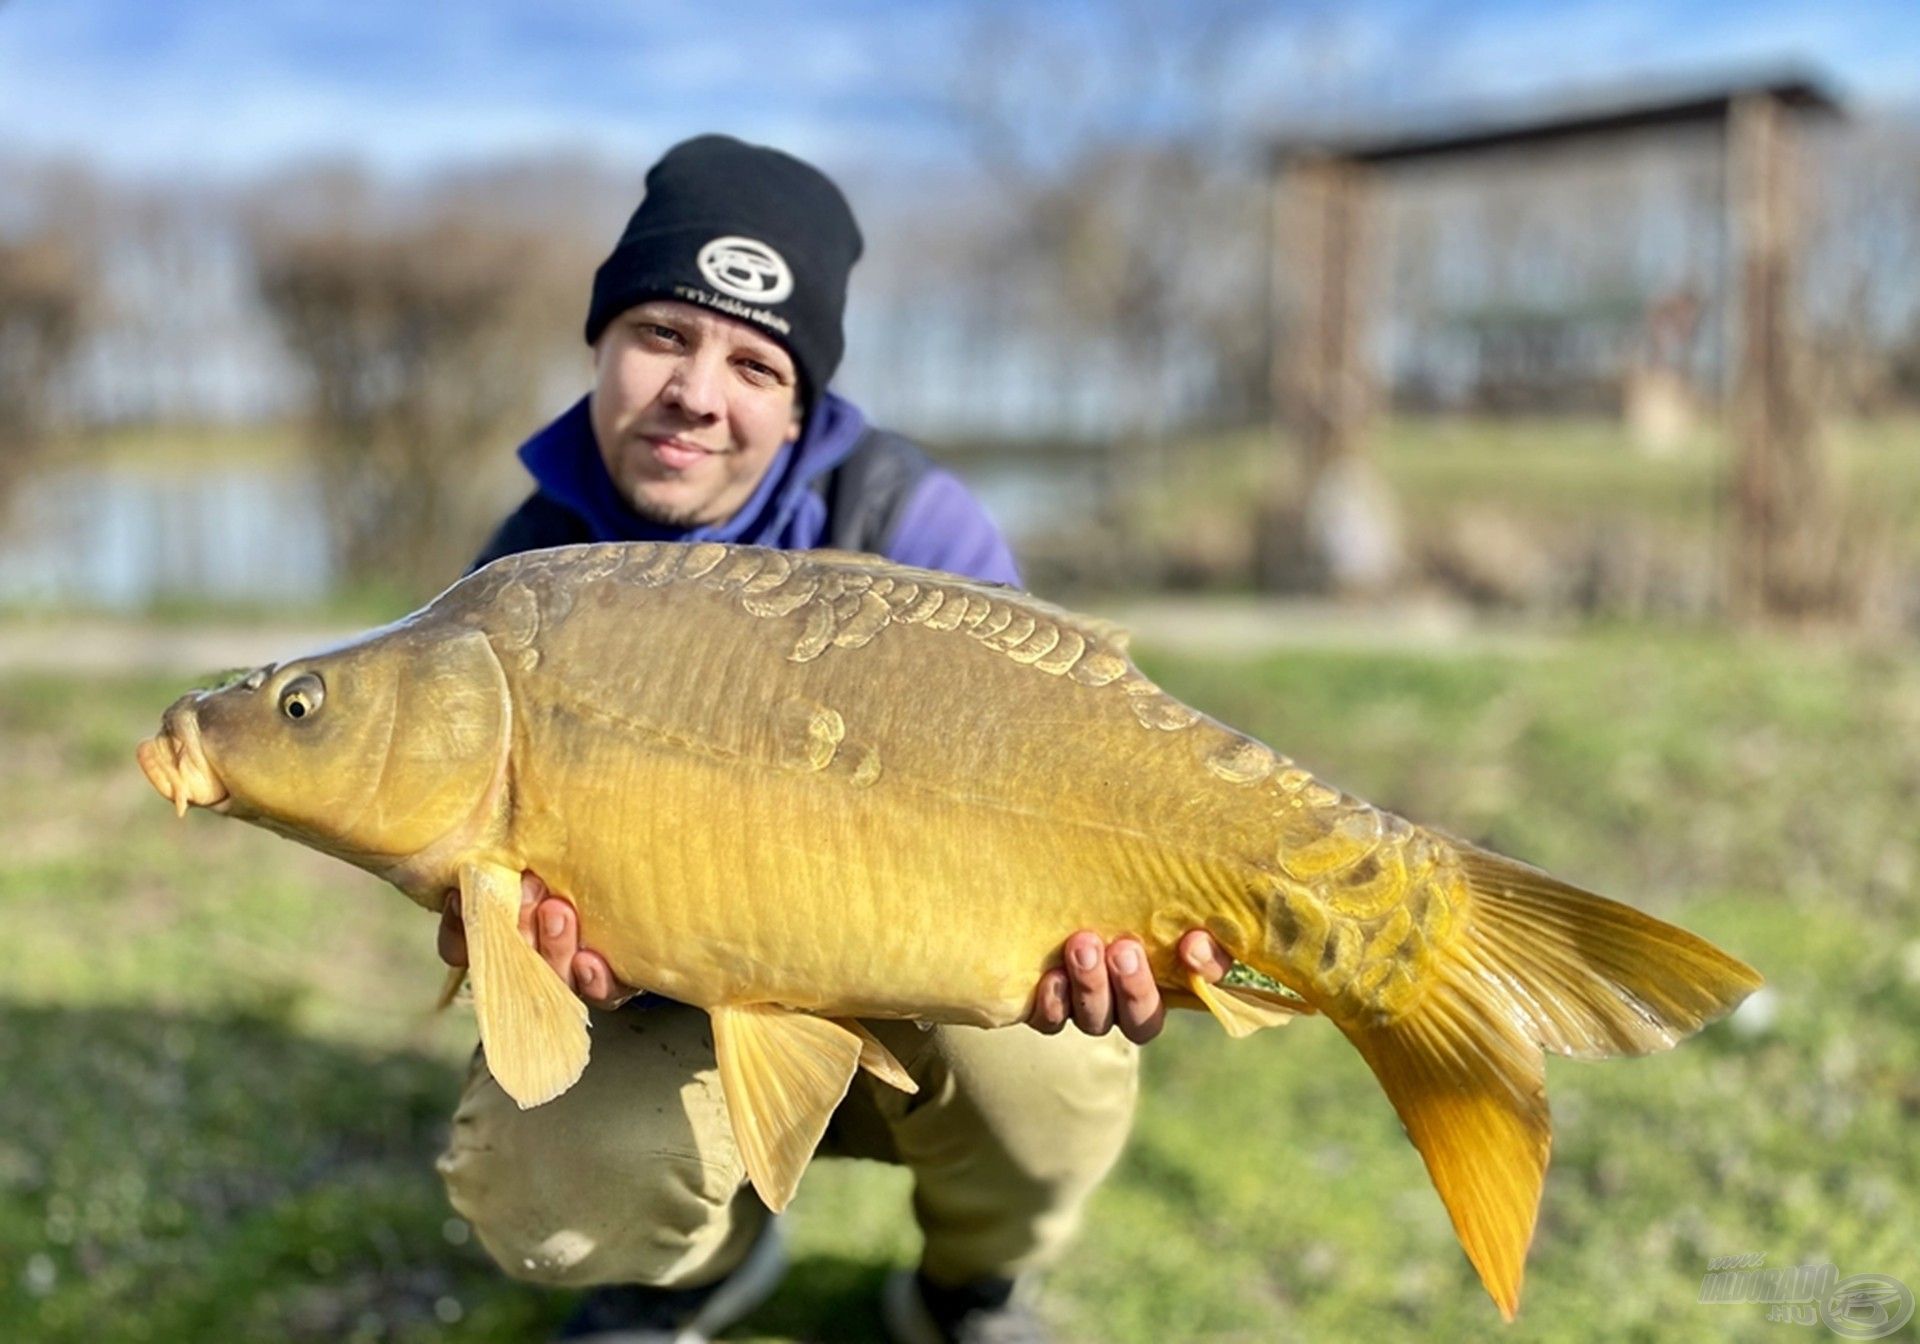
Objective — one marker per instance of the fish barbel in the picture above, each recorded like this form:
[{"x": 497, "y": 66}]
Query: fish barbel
[{"x": 802, "y": 789}]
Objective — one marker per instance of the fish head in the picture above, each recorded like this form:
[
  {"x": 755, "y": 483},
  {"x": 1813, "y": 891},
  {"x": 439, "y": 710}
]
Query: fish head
[{"x": 371, "y": 751}]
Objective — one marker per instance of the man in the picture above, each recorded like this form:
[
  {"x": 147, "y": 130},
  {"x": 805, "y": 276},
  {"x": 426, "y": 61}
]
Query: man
[{"x": 716, "y": 328}]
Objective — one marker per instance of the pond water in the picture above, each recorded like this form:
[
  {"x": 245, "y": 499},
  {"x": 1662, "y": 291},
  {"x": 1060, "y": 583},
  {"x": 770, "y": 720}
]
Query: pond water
[{"x": 124, "y": 538}]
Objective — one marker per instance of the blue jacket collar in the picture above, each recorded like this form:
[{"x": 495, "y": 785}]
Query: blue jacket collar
[{"x": 565, "y": 462}]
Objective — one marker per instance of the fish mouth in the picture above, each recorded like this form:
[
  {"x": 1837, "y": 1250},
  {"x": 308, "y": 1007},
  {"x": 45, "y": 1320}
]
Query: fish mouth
[{"x": 175, "y": 763}]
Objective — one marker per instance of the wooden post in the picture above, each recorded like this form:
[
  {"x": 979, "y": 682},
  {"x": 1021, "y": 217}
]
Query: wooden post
[
  {"x": 1319, "y": 385},
  {"x": 1783, "y": 546},
  {"x": 1340, "y": 520}
]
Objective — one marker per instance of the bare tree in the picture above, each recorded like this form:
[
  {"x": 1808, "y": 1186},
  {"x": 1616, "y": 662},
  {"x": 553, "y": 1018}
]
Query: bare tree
[
  {"x": 417, "y": 343},
  {"x": 44, "y": 301},
  {"x": 1127, "y": 248},
  {"x": 1144, "y": 240}
]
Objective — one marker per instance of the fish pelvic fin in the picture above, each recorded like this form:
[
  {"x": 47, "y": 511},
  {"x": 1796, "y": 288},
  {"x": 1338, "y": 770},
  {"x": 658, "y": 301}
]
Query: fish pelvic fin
[
  {"x": 533, "y": 1029},
  {"x": 1536, "y": 965},
  {"x": 783, "y": 1074}
]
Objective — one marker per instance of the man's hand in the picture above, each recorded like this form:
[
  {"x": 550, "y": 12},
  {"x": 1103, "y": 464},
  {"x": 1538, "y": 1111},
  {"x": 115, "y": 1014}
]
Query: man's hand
[
  {"x": 551, "y": 927},
  {"x": 1101, "y": 987}
]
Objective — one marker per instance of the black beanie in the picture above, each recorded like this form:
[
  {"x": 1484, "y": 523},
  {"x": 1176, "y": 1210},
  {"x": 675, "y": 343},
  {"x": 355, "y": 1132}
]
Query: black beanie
[{"x": 746, "y": 231}]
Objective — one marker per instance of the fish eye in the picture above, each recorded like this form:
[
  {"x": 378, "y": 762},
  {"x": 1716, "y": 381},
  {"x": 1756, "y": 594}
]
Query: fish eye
[{"x": 303, "y": 696}]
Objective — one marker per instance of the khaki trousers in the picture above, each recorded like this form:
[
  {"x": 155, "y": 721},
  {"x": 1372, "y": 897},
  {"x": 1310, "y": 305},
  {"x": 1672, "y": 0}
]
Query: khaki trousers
[{"x": 632, "y": 1176}]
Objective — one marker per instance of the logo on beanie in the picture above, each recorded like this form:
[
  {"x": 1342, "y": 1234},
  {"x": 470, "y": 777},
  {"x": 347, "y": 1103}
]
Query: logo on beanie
[{"x": 746, "y": 268}]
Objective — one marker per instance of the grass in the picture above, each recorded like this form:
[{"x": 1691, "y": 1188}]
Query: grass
[
  {"x": 1548, "y": 475},
  {"x": 347, "y": 605},
  {"x": 224, "y": 1091},
  {"x": 190, "y": 448},
  {"x": 1572, "y": 470}
]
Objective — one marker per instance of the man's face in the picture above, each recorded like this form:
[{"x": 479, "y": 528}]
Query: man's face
[{"x": 689, "y": 409}]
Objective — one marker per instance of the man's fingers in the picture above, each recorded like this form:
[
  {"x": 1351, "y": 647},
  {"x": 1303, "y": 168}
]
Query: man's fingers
[
  {"x": 1199, "y": 952},
  {"x": 1137, "y": 1007},
  {"x": 548, "y": 927},
  {"x": 453, "y": 932},
  {"x": 531, "y": 890},
  {"x": 1049, "y": 1013},
  {"x": 559, "y": 936},
  {"x": 1087, "y": 976},
  {"x": 593, "y": 980}
]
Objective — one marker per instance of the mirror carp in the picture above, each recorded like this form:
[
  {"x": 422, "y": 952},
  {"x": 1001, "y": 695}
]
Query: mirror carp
[{"x": 802, "y": 789}]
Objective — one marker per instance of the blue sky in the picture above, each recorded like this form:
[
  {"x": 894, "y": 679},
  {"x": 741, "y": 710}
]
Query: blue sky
[{"x": 222, "y": 88}]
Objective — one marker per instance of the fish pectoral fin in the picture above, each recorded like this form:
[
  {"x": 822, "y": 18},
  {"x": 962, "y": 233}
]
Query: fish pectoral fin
[
  {"x": 783, "y": 1073},
  {"x": 450, "y": 988},
  {"x": 877, "y": 1060},
  {"x": 1243, "y": 1009},
  {"x": 533, "y": 1029}
]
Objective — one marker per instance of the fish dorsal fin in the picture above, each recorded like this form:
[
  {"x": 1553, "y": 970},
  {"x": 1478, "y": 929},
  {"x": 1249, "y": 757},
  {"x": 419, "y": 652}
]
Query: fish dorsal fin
[
  {"x": 1243, "y": 1009},
  {"x": 533, "y": 1029},
  {"x": 783, "y": 1073},
  {"x": 877, "y": 1060}
]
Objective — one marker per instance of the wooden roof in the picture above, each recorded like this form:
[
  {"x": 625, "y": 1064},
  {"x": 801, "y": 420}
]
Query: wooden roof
[{"x": 1589, "y": 118}]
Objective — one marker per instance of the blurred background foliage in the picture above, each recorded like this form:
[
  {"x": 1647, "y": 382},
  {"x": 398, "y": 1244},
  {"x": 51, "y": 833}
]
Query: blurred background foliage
[{"x": 1468, "y": 532}]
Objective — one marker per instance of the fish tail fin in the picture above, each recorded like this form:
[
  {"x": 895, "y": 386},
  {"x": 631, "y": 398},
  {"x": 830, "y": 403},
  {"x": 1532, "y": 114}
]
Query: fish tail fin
[
  {"x": 1535, "y": 965},
  {"x": 1472, "y": 1094},
  {"x": 1589, "y": 977}
]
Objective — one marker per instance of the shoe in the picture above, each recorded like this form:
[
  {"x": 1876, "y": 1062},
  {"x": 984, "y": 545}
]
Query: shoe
[
  {"x": 914, "y": 1311},
  {"x": 632, "y": 1314}
]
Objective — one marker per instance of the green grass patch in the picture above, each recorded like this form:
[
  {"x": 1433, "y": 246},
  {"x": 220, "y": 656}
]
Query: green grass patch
[
  {"x": 188, "y": 448},
  {"x": 1552, "y": 477},
  {"x": 225, "y": 1092}
]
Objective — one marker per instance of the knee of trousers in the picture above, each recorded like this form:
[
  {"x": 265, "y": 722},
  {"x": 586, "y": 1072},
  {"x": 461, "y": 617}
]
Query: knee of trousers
[
  {"x": 1013, "y": 1140},
  {"x": 602, "y": 1185},
  {"x": 1047, "y": 1115}
]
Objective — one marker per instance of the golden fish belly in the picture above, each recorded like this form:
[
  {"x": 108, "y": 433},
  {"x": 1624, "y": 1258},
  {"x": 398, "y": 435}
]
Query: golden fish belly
[{"x": 746, "y": 882}]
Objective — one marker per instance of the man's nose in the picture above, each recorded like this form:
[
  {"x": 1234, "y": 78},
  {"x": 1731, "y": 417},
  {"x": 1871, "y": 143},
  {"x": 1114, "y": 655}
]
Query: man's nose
[{"x": 695, "y": 386}]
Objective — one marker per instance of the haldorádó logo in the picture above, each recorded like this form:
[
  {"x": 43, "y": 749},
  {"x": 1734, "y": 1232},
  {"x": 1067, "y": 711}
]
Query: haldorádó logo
[
  {"x": 1865, "y": 1306},
  {"x": 747, "y": 269}
]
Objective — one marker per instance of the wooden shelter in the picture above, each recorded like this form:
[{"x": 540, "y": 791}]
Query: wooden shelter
[{"x": 1781, "y": 558}]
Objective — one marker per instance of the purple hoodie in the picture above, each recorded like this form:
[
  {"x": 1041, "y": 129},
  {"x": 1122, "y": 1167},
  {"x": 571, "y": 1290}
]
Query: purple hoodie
[{"x": 941, "y": 525}]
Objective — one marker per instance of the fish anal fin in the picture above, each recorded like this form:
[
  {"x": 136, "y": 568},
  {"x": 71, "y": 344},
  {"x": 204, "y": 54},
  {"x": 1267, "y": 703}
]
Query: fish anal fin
[
  {"x": 783, "y": 1073},
  {"x": 1243, "y": 1009},
  {"x": 533, "y": 1029},
  {"x": 877, "y": 1060},
  {"x": 1471, "y": 1092}
]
